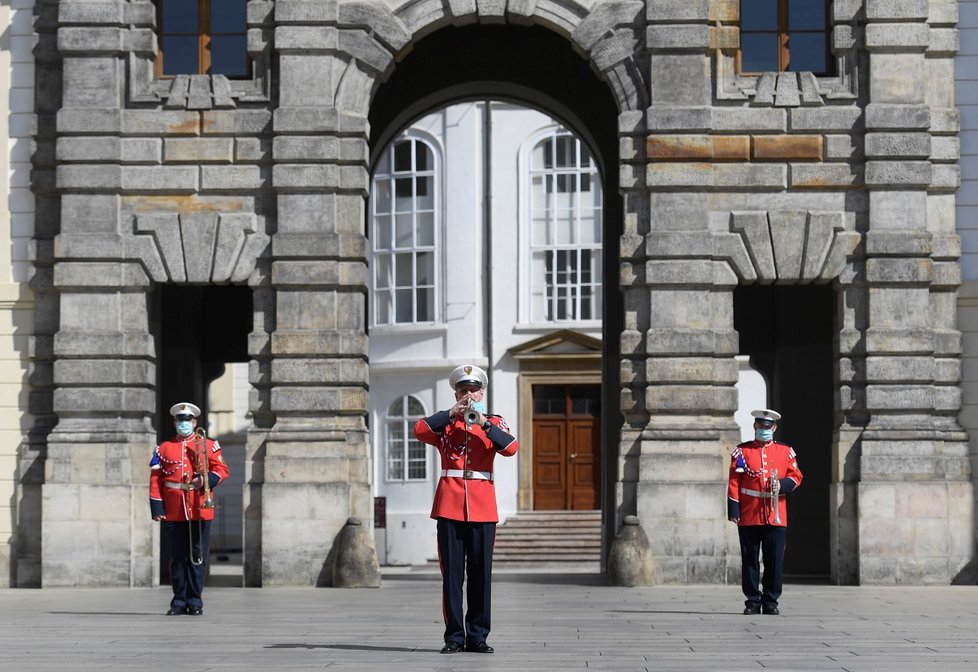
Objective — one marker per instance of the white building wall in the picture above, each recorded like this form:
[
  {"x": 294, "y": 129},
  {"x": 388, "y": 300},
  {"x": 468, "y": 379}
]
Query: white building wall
[
  {"x": 16, "y": 230},
  {"x": 228, "y": 423},
  {"x": 966, "y": 96},
  {"x": 417, "y": 359}
]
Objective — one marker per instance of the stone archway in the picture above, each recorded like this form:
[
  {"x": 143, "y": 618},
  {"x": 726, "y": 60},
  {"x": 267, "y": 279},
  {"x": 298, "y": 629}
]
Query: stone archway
[{"x": 321, "y": 172}]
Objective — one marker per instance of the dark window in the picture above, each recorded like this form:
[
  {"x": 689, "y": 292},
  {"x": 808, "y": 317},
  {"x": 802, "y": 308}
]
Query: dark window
[
  {"x": 785, "y": 36},
  {"x": 207, "y": 37}
]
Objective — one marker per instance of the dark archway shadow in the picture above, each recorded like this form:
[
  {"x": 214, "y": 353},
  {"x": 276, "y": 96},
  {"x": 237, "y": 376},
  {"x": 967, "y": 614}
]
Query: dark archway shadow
[
  {"x": 189, "y": 358},
  {"x": 788, "y": 332}
]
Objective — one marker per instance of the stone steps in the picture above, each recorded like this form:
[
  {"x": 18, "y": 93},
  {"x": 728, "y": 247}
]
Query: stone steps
[{"x": 547, "y": 537}]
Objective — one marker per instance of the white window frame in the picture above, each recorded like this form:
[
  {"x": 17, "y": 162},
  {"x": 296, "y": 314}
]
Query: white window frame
[
  {"x": 405, "y": 423},
  {"x": 380, "y": 250},
  {"x": 528, "y": 248}
]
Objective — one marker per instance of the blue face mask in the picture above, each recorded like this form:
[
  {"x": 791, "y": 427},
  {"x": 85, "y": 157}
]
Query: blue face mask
[
  {"x": 185, "y": 428},
  {"x": 479, "y": 406},
  {"x": 764, "y": 434}
]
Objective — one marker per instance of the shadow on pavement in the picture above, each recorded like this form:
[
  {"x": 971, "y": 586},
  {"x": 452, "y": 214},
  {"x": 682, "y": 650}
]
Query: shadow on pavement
[{"x": 351, "y": 647}]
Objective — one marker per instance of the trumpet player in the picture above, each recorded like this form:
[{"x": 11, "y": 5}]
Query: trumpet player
[
  {"x": 468, "y": 439},
  {"x": 762, "y": 472},
  {"x": 183, "y": 471}
]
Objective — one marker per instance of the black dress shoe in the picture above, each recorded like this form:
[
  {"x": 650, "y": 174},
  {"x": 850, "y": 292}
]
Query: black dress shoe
[
  {"x": 752, "y": 609},
  {"x": 771, "y": 609},
  {"x": 173, "y": 611},
  {"x": 479, "y": 647},
  {"x": 195, "y": 611},
  {"x": 451, "y": 647}
]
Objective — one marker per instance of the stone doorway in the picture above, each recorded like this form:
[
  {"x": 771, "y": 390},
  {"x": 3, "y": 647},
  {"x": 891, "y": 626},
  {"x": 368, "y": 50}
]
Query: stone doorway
[
  {"x": 788, "y": 334},
  {"x": 199, "y": 331}
]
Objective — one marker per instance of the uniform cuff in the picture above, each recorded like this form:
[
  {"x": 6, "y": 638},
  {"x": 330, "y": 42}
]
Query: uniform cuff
[
  {"x": 156, "y": 508},
  {"x": 733, "y": 509},
  {"x": 438, "y": 421}
]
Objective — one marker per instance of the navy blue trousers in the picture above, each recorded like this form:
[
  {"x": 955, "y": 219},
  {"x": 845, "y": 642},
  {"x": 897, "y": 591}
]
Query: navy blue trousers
[
  {"x": 187, "y": 578},
  {"x": 769, "y": 541},
  {"x": 466, "y": 548}
]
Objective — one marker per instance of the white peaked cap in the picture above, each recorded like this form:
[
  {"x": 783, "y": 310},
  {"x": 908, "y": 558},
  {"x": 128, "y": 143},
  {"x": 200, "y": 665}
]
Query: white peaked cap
[
  {"x": 468, "y": 374},
  {"x": 183, "y": 408}
]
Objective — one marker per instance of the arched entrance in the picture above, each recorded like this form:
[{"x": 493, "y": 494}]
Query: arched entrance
[{"x": 489, "y": 62}]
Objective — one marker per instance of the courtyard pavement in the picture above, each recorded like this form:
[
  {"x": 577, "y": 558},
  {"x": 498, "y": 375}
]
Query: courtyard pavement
[{"x": 540, "y": 622}]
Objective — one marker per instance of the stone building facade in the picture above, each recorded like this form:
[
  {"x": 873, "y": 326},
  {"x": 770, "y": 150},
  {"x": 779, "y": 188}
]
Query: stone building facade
[
  {"x": 966, "y": 98},
  {"x": 804, "y": 220}
]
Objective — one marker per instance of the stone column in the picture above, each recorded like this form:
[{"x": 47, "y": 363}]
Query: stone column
[
  {"x": 316, "y": 471},
  {"x": 96, "y": 528},
  {"x": 678, "y": 371},
  {"x": 915, "y": 494}
]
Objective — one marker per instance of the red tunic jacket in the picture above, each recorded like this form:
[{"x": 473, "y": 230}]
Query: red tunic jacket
[
  {"x": 173, "y": 462},
  {"x": 746, "y": 490},
  {"x": 465, "y": 448}
]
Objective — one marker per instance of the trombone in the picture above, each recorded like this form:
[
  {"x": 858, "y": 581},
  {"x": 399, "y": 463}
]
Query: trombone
[{"x": 201, "y": 468}]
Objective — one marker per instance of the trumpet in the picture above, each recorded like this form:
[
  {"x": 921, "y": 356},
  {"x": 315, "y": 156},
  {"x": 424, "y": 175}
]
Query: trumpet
[
  {"x": 471, "y": 416},
  {"x": 776, "y": 496}
]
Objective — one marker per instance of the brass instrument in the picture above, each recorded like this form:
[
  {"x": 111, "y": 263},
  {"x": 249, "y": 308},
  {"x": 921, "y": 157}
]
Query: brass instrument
[
  {"x": 201, "y": 468},
  {"x": 776, "y": 497},
  {"x": 470, "y": 415}
]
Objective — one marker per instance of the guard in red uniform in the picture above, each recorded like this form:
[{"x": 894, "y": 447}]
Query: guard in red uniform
[
  {"x": 762, "y": 472},
  {"x": 180, "y": 499},
  {"x": 468, "y": 439}
]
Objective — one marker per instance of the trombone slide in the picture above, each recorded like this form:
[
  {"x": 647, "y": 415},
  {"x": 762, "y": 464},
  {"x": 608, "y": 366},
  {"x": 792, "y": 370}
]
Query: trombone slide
[{"x": 203, "y": 467}]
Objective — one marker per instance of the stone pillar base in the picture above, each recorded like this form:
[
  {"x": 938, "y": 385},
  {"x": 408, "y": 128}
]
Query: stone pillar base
[
  {"x": 915, "y": 533},
  {"x": 630, "y": 558},
  {"x": 355, "y": 562}
]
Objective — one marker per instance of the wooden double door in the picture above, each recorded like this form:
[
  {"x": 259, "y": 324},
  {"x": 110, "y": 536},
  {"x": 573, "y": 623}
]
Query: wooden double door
[{"x": 566, "y": 447}]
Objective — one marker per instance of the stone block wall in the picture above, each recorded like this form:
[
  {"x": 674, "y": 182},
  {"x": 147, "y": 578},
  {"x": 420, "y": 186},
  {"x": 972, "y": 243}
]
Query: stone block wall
[
  {"x": 726, "y": 180},
  {"x": 16, "y": 302},
  {"x": 966, "y": 100}
]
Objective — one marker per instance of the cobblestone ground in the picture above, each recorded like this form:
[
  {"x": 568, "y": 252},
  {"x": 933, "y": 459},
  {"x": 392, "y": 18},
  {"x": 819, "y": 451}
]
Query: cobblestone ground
[{"x": 540, "y": 622}]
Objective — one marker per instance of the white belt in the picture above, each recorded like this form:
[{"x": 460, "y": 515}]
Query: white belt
[
  {"x": 756, "y": 493},
  {"x": 467, "y": 474},
  {"x": 178, "y": 486}
]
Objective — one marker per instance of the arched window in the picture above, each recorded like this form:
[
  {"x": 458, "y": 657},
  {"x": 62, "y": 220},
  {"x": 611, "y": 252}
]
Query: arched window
[
  {"x": 404, "y": 221},
  {"x": 565, "y": 230},
  {"x": 407, "y": 458},
  {"x": 207, "y": 37}
]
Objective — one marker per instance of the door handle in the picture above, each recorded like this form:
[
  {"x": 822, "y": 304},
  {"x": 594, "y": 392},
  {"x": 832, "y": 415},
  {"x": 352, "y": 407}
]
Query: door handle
[{"x": 572, "y": 456}]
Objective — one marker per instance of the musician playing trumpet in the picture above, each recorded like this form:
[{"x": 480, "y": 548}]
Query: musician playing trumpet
[
  {"x": 468, "y": 439},
  {"x": 183, "y": 472},
  {"x": 762, "y": 472}
]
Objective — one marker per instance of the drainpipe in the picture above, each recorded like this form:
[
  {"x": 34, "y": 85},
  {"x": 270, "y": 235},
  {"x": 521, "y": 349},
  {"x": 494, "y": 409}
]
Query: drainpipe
[{"x": 487, "y": 231}]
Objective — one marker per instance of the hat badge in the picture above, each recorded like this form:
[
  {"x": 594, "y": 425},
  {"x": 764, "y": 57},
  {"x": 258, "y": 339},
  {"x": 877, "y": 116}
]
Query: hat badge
[{"x": 468, "y": 370}]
